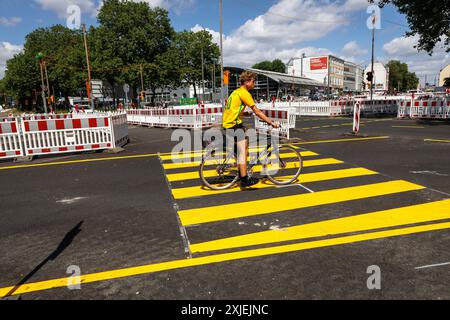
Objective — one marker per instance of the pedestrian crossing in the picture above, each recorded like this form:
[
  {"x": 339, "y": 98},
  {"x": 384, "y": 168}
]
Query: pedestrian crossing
[{"x": 225, "y": 220}]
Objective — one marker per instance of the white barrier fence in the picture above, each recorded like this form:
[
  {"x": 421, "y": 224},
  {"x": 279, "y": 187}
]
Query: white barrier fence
[
  {"x": 334, "y": 108},
  {"x": 424, "y": 109},
  {"x": 286, "y": 118},
  {"x": 31, "y": 135},
  {"x": 10, "y": 140},
  {"x": 192, "y": 118}
]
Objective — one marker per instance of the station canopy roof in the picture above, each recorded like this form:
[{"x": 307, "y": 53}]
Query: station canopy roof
[{"x": 281, "y": 78}]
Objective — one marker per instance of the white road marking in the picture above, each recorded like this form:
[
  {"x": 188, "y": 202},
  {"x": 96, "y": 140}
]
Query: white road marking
[
  {"x": 70, "y": 200},
  {"x": 434, "y": 265}
]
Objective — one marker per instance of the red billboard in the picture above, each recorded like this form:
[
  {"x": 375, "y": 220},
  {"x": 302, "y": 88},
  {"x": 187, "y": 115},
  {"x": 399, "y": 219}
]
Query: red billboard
[{"x": 319, "y": 63}]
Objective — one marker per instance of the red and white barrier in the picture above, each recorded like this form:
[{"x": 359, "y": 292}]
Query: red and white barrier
[
  {"x": 378, "y": 106},
  {"x": 356, "y": 118},
  {"x": 190, "y": 118},
  {"x": 424, "y": 109},
  {"x": 66, "y": 135},
  {"x": 286, "y": 118},
  {"x": 10, "y": 140}
]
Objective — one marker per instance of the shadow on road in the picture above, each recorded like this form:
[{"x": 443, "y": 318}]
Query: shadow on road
[{"x": 66, "y": 241}]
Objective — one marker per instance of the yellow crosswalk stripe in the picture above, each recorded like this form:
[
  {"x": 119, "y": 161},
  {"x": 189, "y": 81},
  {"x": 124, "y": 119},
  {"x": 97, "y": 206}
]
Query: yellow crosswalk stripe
[
  {"x": 171, "y": 166},
  {"x": 397, "y": 217},
  {"x": 199, "y": 191},
  {"x": 172, "y": 177},
  {"x": 196, "y": 154},
  {"x": 268, "y": 206},
  {"x": 219, "y": 258}
]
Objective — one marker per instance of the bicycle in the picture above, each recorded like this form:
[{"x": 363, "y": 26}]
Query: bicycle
[{"x": 281, "y": 164}]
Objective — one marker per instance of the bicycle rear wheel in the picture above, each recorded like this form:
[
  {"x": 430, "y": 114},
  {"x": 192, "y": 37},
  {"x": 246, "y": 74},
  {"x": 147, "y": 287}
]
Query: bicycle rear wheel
[
  {"x": 219, "y": 171},
  {"x": 284, "y": 165}
]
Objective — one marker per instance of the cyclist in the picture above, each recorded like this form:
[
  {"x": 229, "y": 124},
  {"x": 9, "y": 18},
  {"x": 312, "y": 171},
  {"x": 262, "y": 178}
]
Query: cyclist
[{"x": 232, "y": 122}]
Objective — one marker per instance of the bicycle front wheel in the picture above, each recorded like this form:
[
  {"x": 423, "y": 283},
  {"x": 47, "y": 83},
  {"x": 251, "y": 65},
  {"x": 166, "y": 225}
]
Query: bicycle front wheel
[
  {"x": 219, "y": 171},
  {"x": 284, "y": 165}
]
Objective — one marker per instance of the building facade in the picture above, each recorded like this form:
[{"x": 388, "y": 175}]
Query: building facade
[
  {"x": 380, "y": 78},
  {"x": 353, "y": 78},
  {"x": 328, "y": 70},
  {"x": 445, "y": 73}
]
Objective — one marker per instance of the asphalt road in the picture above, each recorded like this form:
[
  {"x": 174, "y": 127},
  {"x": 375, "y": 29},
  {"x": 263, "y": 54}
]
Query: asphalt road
[{"x": 381, "y": 202}]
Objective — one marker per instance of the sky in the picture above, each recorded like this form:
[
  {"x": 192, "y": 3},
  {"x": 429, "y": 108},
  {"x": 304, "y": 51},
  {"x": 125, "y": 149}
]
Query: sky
[{"x": 254, "y": 30}]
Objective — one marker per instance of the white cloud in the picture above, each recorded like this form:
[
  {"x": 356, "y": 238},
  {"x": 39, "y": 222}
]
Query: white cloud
[
  {"x": 353, "y": 49},
  {"x": 280, "y": 31},
  {"x": 176, "y": 5},
  {"x": 7, "y": 51},
  {"x": 421, "y": 63},
  {"x": 10, "y": 21},
  {"x": 402, "y": 46},
  {"x": 88, "y": 7}
]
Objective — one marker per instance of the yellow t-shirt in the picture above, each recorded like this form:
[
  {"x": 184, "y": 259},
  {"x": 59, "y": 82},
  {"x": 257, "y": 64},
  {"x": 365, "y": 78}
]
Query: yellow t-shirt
[{"x": 238, "y": 100}]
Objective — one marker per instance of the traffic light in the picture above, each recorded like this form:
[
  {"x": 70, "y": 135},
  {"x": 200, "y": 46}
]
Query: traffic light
[
  {"x": 369, "y": 76},
  {"x": 226, "y": 77}
]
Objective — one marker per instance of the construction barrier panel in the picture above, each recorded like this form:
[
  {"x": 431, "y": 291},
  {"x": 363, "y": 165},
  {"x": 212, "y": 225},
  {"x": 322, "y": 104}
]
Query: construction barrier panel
[
  {"x": 66, "y": 135},
  {"x": 379, "y": 106},
  {"x": 10, "y": 140},
  {"x": 119, "y": 129},
  {"x": 190, "y": 118},
  {"x": 283, "y": 117}
]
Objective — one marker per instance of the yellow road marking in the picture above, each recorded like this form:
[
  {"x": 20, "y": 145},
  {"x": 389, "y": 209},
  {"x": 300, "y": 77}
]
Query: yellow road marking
[
  {"x": 173, "y": 177},
  {"x": 428, "y": 212},
  {"x": 197, "y": 154},
  {"x": 78, "y": 161},
  {"x": 409, "y": 127},
  {"x": 295, "y": 202},
  {"x": 437, "y": 140},
  {"x": 162, "y": 155},
  {"x": 185, "y": 263},
  {"x": 199, "y": 191},
  {"x": 341, "y": 140},
  {"x": 170, "y": 166}
]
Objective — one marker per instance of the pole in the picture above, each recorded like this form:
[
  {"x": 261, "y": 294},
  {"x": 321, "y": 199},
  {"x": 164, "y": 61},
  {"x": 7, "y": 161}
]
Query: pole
[
  {"x": 373, "y": 59},
  {"x": 46, "y": 77},
  {"x": 88, "y": 66},
  {"x": 221, "y": 55},
  {"x": 142, "y": 82},
  {"x": 44, "y": 99},
  {"x": 203, "y": 78}
]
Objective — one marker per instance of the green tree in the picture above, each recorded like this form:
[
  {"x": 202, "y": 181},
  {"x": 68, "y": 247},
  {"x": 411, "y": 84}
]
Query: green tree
[
  {"x": 400, "y": 77},
  {"x": 429, "y": 19},
  {"x": 188, "y": 46},
  {"x": 276, "y": 65},
  {"x": 129, "y": 34},
  {"x": 263, "y": 65},
  {"x": 63, "y": 53}
]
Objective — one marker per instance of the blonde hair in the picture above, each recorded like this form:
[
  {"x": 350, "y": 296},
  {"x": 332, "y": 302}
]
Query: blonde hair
[{"x": 247, "y": 76}]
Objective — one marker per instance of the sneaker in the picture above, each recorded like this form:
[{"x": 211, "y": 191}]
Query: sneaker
[{"x": 248, "y": 182}]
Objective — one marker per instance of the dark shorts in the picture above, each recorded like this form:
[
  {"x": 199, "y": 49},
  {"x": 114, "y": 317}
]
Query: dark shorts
[{"x": 237, "y": 133}]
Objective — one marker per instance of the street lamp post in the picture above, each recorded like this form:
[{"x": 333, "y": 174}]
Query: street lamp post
[
  {"x": 221, "y": 54},
  {"x": 88, "y": 66}
]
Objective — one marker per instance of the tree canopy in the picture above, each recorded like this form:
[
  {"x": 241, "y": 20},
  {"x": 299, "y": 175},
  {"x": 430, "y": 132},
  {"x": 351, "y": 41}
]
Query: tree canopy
[
  {"x": 130, "y": 37},
  {"x": 276, "y": 65},
  {"x": 430, "y": 20},
  {"x": 400, "y": 77}
]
